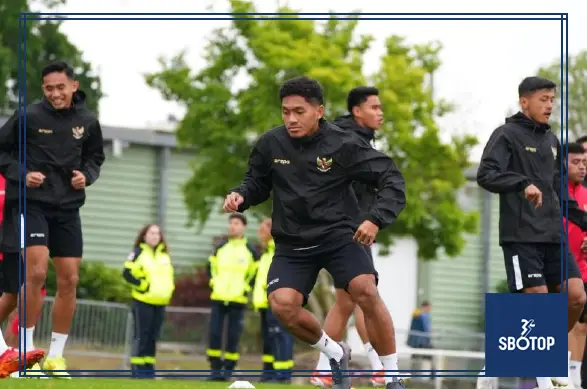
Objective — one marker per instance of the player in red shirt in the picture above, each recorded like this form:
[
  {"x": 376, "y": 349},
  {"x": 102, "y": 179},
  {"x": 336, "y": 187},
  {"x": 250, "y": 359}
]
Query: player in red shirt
[{"x": 577, "y": 170}]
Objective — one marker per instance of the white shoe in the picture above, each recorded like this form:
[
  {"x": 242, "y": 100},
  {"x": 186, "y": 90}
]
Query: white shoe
[
  {"x": 487, "y": 383},
  {"x": 562, "y": 382}
]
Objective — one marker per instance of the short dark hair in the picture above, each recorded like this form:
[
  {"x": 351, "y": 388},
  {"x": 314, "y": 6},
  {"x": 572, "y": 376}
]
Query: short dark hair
[
  {"x": 359, "y": 95},
  {"x": 532, "y": 84},
  {"x": 238, "y": 216},
  {"x": 58, "y": 67},
  {"x": 425, "y": 303},
  {"x": 582, "y": 139},
  {"x": 308, "y": 88},
  {"x": 573, "y": 148}
]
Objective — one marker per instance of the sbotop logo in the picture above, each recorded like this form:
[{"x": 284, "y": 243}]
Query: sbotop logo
[{"x": 524, "y": 341}]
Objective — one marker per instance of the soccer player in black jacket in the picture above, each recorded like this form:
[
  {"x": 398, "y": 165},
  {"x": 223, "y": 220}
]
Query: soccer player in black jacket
[
  {"x": 521, "y": 162},
  {"x": 364, "y": 118},
  {"x": 309, "y": 164},
  {"x": 64, "y": 154}
]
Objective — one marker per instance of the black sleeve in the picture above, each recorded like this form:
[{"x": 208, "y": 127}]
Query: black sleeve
[
  {"x": 93, "y": 154},
  {"x": 129, "y": 271},
  {"x": 492, "y": 174},
  {"x": 9, "y": 142},
  {"x": 256, "y": 186},
  {"x": 367, "y": 165},
  {"x": 576, "y": 215}
]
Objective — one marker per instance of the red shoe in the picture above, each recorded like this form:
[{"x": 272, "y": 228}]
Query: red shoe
[
  {"x": 321, "y": 379},
  {"x": 378, "y": 378},
  {"x": 9, "y": 361}
]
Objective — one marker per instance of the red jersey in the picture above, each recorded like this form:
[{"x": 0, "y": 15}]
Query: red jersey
[
  {"x": 2, "y": 197},
  {"x": 575, "y": 234}
]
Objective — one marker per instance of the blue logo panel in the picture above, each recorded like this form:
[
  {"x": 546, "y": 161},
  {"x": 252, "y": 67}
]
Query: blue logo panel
[{"x": 526, "y": 335}]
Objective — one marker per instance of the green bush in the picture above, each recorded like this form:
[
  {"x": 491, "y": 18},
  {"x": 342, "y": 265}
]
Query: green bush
[
  {"x": 502, "y": 287},
  {"x": 97, "y": 281}
]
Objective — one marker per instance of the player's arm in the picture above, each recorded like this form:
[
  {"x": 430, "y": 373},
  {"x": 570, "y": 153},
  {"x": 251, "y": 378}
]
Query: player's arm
[
  {"x": 254, "y": 265},
  {"x": 492, "y": 174},
  {"x": 256, "y": 186},
  {"x": 133, "y": 272},
  {"x": 9, "y": 149},
  {"x": 93, "y": 154},
  {"x": 369, "y": 166},
  {"x": 576, "y": 215}
]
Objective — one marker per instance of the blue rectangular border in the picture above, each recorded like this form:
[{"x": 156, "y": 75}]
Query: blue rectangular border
[{"x": 22, "y": 102}]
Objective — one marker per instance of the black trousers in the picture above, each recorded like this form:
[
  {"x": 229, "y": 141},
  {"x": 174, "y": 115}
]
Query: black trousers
[
  {"x": 234, "y": 314},
  {"x": 148, "y": 320},
  {"x": 278, "y": 346}
]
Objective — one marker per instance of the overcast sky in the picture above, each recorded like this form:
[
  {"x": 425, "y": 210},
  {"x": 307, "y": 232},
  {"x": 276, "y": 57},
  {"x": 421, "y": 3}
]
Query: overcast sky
[{"x": 482, "y": 61}]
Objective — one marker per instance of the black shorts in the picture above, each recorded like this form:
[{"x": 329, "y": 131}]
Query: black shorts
[
  {"x": 10, "y": 281},
  {"x": 57, "y": 229},
  {"x": 11, "y": 236},
  {"x": 537, "y": 264},
  {"x": 299, "y": 269}
]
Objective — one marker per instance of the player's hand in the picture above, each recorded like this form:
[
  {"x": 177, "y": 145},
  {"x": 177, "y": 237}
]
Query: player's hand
[
  {"x": 79, "y": 180},
  {"x": 533, "y": 194},
  {"x": 34, "y": 179},
  {"x": 232, "y": 202},
  {"x": 366, "y": 233}
]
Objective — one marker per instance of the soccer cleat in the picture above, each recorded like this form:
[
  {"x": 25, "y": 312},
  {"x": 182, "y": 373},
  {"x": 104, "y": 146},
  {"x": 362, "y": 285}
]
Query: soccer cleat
[
  {"x": 9, "y": 361},
  {"x": 321, "y": 379},
  {"x": 53, "y": 364},
  {"x": 32, "y": 373},
  {"x": 378, "y": 378},
  {"x": 395, "y": 385},
  {"x": 340, "y": 374},
  {"x": 562, "y": 382}
]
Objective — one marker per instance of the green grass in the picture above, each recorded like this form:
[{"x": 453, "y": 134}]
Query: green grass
[{"x": 104, "y": 383}]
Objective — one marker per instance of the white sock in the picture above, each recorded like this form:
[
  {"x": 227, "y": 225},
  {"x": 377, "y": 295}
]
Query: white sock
[
  {"x": 323, "y": 363},
  {"x": 57, "y": 345},
  {"x": 26, "y": 339},
  {"x": 389, "y": 365},
  {"x": 373, "y": 357},
  {"x": 575, "y": 367},
  {"x": 329, "y": 347},
  {"x": 3, "y": 345},
  {"x": 544, "y": 382}
]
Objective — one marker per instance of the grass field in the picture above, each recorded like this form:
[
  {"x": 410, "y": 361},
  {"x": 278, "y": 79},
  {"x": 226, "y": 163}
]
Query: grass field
[{"x": 99, "y": 383}]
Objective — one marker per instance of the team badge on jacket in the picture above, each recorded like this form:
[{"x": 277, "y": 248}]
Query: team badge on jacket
[
  {"x": 78, "y": 132},
  {"x": 324, "y": 164}
]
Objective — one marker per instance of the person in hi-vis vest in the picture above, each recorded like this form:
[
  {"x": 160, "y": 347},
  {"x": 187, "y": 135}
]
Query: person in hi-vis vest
[
  {"x": 278, "y": 343},
  {"x": 149, "y": 271},
  {"x": 231, "y": 268}
]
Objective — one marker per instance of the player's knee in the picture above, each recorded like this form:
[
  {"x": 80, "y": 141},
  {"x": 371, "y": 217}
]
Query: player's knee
[
  {"x": 67, "y": 283},
  {"x": 286, "y": 304},
  {"x": 364, "y": 291},
  {"x": 577, "y": 297},
  {"x": 36, "y": 275}
]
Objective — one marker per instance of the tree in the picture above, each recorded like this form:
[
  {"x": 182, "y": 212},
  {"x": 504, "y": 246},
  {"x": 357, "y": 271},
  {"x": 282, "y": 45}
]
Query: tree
[
  {"x": 577, "y": 99},
  {"x": 222, "y": 122},
  {"x": 44, "y": 43}
]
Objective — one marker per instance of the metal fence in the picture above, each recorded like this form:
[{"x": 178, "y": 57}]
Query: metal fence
[{"x": 101, "y": 337}]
